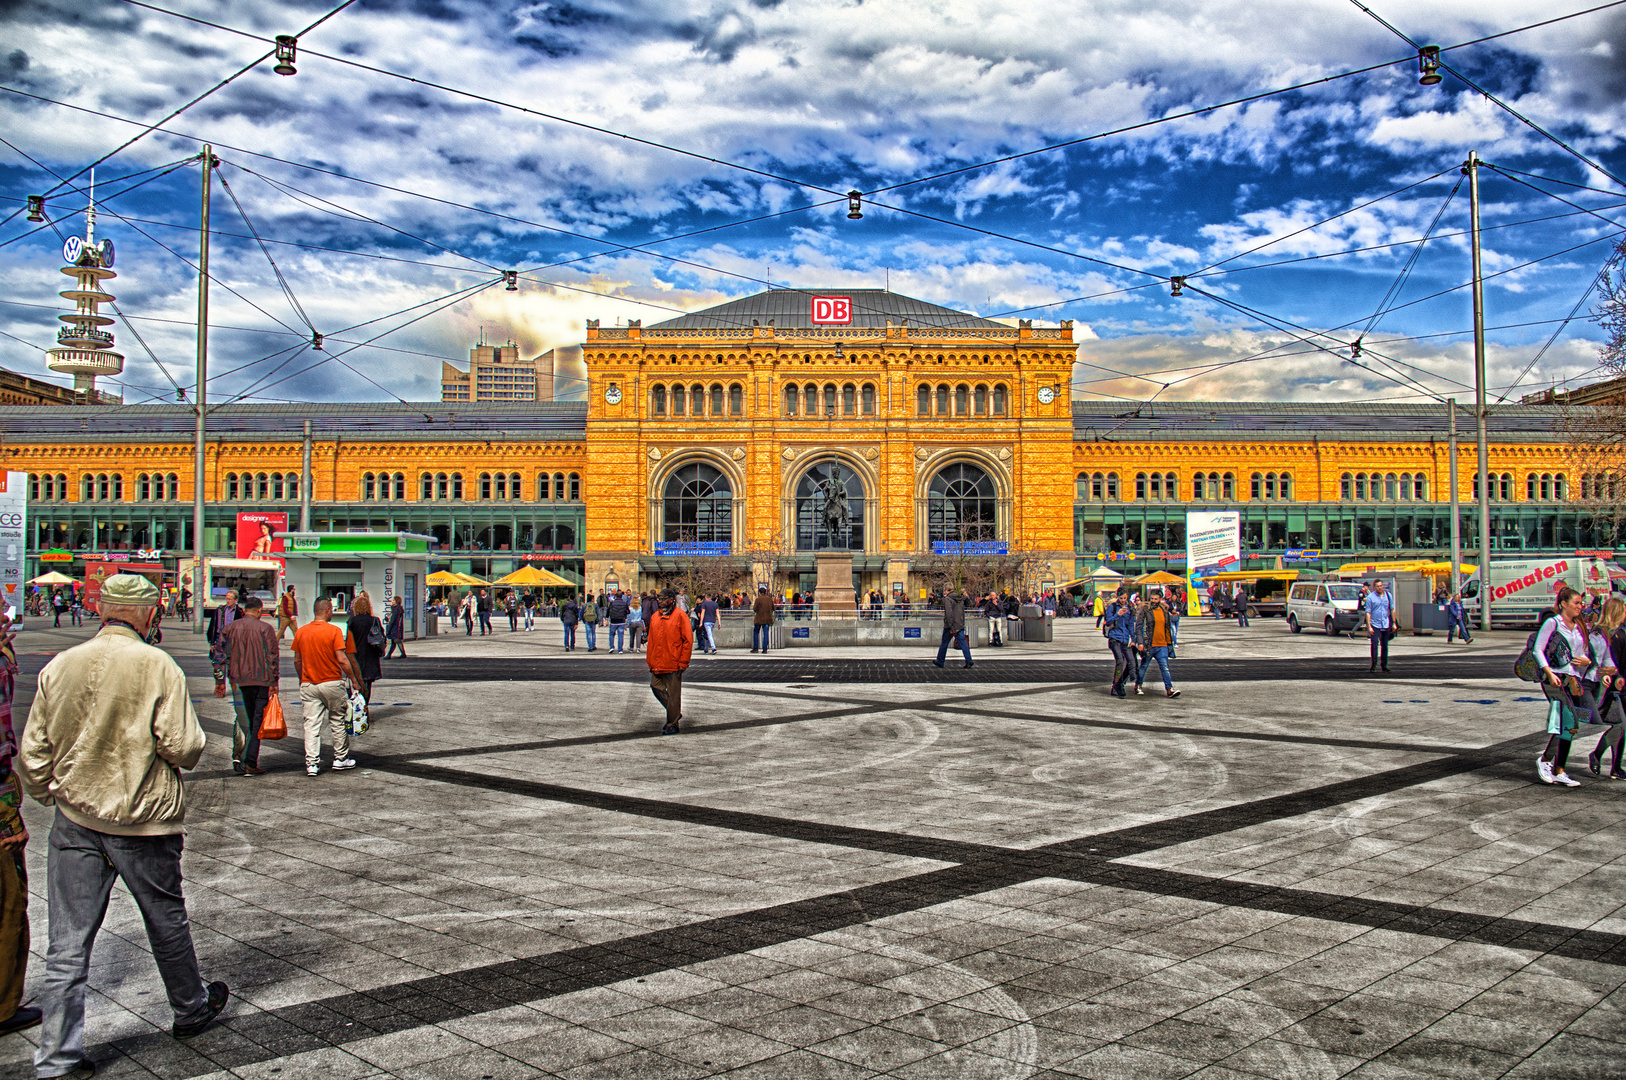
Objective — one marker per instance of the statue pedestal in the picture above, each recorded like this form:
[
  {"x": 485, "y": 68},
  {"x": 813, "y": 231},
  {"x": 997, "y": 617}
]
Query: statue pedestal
[{"x": 834, "y": 592}]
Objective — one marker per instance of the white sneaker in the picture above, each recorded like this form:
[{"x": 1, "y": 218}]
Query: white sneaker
[
  {"x": 347, "y": 763},
  {"x": 1544, "y": 770},
  {"x": 1139, "y": 692},
  {"x": 1566, "y": 780},
  {"x": 311, "y": 770}
]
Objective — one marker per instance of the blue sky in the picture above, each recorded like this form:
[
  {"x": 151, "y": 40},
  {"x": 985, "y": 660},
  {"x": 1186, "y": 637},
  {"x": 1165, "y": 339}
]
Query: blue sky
[{"x": 825, "y": 96}]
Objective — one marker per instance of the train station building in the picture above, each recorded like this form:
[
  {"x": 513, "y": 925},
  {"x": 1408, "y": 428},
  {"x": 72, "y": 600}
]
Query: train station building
[{"x": 728, "y": 431}]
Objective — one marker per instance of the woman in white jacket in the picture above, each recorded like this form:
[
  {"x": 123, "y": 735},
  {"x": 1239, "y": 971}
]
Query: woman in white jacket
[{"x": 1571, "y": 655}]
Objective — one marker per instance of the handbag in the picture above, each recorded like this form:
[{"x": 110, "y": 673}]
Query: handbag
[
  {"x": 375, "y": 635},
  {"x": 273, "y": 725},
  {"x": 355, "y": 720}
]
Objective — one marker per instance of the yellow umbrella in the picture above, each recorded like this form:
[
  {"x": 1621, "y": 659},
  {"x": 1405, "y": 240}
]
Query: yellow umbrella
[
  {"x": 53, "y": 578},
  {"x": 1160, "y": 577},
  {"x": 442, "y": 578},
  {"x": 470, "y": 579},
  {"x": 534, "y": 575}
]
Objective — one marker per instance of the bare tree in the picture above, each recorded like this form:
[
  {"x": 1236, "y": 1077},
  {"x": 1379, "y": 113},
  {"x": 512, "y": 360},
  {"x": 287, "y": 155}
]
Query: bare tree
[
  {"x": 1595, "y": 417},
  {"x": 1611, "y": 315},
  {"x": 767, "y": 562}
]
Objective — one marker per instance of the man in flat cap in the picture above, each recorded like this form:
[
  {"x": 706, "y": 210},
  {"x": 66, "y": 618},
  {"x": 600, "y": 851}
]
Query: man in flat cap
[{"x": 110, "y": 729}]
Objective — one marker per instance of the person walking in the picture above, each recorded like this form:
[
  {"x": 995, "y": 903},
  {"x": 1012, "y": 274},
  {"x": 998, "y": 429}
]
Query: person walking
[
  {"x": 1119, "y": 618},
  {"x": 395, "y": 631},
  {"x": 287, "y": 613},
  {"x": 76, "y": 609},
  {"x": 1380, "y": 623},
  {"x": 511, "y": 606},
  {"x": 761, "y": 620},
  {"x": 250, "y": 655},
  {"x": 953, "y": 629},
  {"x": 483, "y": 607},
  {"x": 59, "y": 605},
  {"x": 14, "y": 928},
  {"x": 221, "y": 617},
  {"x": 323, "y": 664},
  {"x": 1154, "y": 630},
  {"x": 568, "y": 614},
  {"x": 453, "y": 606},
  {"x": 1568, "y": 653},
  {"x": 1456, "y": 620},
  {"x": 470, "y": 603},
  {"x": 671, "y": 644},
  {"x": 1239, "y": 599},
  {"x": 708, "y": 624},
  {"x": 589, "y": 614},
  {"x": 616, "y": 613},
  {"x": 1611, "y": 626},
  {"x": 530, "y": 611},
  {"x": 110, "y": 763},
  {"x": 364, "y": 641}
]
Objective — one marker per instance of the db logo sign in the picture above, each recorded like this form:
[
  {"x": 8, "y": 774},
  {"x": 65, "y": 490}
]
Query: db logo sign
[{"x": 833, "y": 309}]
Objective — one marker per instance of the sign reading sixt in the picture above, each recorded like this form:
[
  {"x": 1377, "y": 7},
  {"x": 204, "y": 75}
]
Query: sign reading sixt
[{"x": 837, "y": 310}]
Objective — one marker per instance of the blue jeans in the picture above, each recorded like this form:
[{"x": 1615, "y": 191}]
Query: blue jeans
[
  {"x": 80, "y": 870},
  {"x": 1456, "y": 625},
  {"x": 959, "y": 639},
  {"x": 618, "y": 637},
  {"x": 592, "y": 631},
  {"x": 570, "y": 635},
  {"x": 708, "y": 636},
  {"x": 1159, "y": 655},
  {"x": 759, "y": 637}
]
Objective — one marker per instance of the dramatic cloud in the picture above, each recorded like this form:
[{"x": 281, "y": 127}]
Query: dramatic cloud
[{"x": 381, "y": 195}]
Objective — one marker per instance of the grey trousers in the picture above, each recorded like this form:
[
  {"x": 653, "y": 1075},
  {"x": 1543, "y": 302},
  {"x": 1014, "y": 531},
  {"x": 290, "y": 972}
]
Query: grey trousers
[{"x": 80, "y": 871}]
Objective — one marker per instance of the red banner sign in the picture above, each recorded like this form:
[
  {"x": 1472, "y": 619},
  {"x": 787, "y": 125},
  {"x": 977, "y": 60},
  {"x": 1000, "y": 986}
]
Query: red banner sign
[
  {"x": 255, "y": 539},
  {"x": 832, "y": 310}
]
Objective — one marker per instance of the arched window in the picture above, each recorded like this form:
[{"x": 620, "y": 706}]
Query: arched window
[
  {"x": 962, "y": 400},
  {"x": 810, "y": 400},
  {"x": 1560, "y": 487},
  {"x": 1081, "y": 487},
  {"x": 1284, "y": 486},
  {"x": 443, "y": 488},
  {"x": 1171, "y": 487},
  {"x": 231, "y": 487},
  {"x": 923, "y": 400},
  {"x": 1360, "y": 487},
  {"x": 1112, "y": 487},
  {"x": 1140, "y": 487},
  {"x": 118, "y": 487},
  {"x": 1197, "y": 487},
  {"x": 143, "y": 488},
  {"x": 1419, "y": 487},
  {"x": 960, "y": 505},
  {"x": 1270, "y": 486},
  {"x": 999, "y": 399},
  {"x": 499, "y": 483},
  {"x": 426, "y": 487},
  {"x": 276, "y": 486},
  {"x": 697, "y": 400},
  {"x": 1098, "y": 487},
  {"x": 817, "y": 531},
  {"x": 515, "y": 491},
  {"x": 33, "y": 487},
  {"x": 943, "y": 399},
  {"x": 979, "y": 405},
  {"x": 790, "y": 400},
  {"x": 367, "y": 494},
  {"x": 716, "y": 399},
  {"x": 849, "y": 400},
  {"x": 869, "y": 399},
  {"x": 736, "y": 400},
  {"x": 485, "y": 486},
  {"x": 575, "y": 487},
  {"x": 657, "y": 401},
  {"x": 457, "y": 485},
  {"x": 1389, "y": 488},
  {"x": 698, "y": 506},
  {"x": 677, "y": 401},
  {"x": 558, "y": 487},
  {"x": 542, "y": 487},
  {"x": 262, "y": 487},
  {"x": 1405, "y": 487},
  {"x": 1346, "y": 487},
  {"x": 829, "y": 399},
  {"x": 1228, "y": 487},
  {"x": 1255, "y": 490}
]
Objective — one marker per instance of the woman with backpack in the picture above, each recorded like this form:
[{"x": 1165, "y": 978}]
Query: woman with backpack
[
  {"x": 367, "y": 641},
  {"x": 1612, "y": 624},
  {"x": 1568, "y": 652}
]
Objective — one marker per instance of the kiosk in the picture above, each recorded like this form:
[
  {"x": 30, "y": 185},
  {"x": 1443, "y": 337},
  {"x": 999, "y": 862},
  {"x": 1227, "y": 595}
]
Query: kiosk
[{"x": 339, "y": 565}]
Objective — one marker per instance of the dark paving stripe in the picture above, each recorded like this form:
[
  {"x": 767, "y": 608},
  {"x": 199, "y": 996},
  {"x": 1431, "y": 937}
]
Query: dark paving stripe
[{"x": 775, "y": 669}]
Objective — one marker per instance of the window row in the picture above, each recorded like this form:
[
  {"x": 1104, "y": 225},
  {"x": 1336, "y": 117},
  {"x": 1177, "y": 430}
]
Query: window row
[
  {"x": 961, "y": 400},
  {"x": 47, "y": 487},
  {"x": 1597, "y": 487},
  {"x": 1165, "y": 487},
  {"x": 812, "y": 401},
  {"x": 1383, "y": 487},
  {"x": 498, "y": 487},
  {"x": 697, "y": 400},
  {"x": 261, "y": 487},
  {"x": 1546, "y": 487}
]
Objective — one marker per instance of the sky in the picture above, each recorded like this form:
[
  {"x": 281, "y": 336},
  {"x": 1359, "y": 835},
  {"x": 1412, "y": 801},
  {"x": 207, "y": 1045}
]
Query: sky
[{"x": 390, "y": 207}]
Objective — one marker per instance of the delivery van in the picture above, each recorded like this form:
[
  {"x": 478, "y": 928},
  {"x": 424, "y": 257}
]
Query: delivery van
[{"x": 1522, "y": 588}]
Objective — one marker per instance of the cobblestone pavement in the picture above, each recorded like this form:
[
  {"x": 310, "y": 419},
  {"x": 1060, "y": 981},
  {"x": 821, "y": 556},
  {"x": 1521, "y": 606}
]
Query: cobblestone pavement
[{"x": 855, "y": 865}]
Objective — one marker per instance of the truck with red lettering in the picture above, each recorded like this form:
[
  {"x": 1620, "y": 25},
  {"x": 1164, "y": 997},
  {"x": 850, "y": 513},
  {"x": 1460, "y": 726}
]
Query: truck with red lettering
[{"x": 1522, "y": 588}]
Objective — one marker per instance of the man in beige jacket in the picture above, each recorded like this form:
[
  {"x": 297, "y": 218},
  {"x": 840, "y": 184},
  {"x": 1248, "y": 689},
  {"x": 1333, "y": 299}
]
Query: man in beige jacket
[{"x": 110, "y": 729}]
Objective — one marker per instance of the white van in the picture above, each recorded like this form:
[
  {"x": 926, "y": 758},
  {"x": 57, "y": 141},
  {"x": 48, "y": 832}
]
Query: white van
[
  {"x": 1521, "y": 589},
  {"x": 1331, "y": 605}
]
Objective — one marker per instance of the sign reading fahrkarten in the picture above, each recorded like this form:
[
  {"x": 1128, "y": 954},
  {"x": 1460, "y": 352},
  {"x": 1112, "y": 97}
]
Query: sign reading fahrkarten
[{"x": 832, "y": 310}]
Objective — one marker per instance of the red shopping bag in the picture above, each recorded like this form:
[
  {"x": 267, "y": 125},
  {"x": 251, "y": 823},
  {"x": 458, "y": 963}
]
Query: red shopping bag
[{"x": 272, "y": 724}]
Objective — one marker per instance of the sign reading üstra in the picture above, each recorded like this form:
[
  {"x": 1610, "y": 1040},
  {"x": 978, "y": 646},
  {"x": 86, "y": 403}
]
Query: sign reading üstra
[{"x": 832, "y": 310}]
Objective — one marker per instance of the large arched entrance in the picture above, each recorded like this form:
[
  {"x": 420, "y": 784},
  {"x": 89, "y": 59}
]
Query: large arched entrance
[
  {"x": 697, "y": 506},
  {"x": 830, "y": 508}
]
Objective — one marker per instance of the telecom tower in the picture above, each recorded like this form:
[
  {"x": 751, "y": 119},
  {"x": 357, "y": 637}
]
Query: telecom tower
[{"x": 83, "y": 350}]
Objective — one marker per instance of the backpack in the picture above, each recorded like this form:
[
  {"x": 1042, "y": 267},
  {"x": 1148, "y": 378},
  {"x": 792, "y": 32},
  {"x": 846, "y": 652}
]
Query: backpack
[
  {"x": 1528, "y": 667},
  {"x": 590, "y": 612},
  {"x": 375, "y": 635}
]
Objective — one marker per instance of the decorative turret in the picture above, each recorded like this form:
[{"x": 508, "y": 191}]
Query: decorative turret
[{"x": 84, "y": 350}]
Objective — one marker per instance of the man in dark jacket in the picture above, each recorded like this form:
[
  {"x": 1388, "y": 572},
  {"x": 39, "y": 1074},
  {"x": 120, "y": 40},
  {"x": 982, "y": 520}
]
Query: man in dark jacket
[
  {"x": 483, "y": 606},
  {"x": 223, "y": 616},
  {"x": 761, "y": 620},
  {"x": 953, "y": 628},
  {"x": 616, "y": 611},
  {"x": 568, "y": 614}
]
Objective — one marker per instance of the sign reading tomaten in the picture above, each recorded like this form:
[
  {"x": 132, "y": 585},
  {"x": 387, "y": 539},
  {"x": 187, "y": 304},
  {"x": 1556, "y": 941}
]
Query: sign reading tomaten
[{"x": 837, "y": 310}]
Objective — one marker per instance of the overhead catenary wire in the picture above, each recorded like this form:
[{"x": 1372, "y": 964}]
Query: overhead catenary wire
[{"x": 287, "y": 290}]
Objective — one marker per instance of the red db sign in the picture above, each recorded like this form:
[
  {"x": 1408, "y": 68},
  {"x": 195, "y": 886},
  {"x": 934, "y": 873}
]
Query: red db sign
[{"x": 833, "y": 309}]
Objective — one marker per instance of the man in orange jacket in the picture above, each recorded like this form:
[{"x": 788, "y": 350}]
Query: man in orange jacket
[{"x": 671, "y": 641}]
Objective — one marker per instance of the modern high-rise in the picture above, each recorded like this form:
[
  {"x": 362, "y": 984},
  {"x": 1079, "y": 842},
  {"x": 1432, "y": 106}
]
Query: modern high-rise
[{"x": 496, "y": 373}]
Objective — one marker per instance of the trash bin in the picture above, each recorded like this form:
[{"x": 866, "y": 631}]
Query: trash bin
[
  {"x": 1035, "y": 623},
  {"x": 431, "y": 624},
  {"x": 1013, "y": 628},
  {"x": 1426, "y": 618}
]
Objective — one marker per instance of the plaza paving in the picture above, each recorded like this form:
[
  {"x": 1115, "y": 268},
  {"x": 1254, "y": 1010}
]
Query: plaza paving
[{"x": 852, "y": 864}]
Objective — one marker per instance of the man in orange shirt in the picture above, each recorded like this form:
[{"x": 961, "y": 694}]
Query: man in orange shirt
[
  {"x": 323, "y": 663},
  {"x": 671, "y": 641}
]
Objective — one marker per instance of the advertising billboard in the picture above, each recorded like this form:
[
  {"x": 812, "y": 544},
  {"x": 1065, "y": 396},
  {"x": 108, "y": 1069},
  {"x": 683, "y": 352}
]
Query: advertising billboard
[
  {"x": 13, "y": 533},
  {"x": 255, "y": 539},
  {"x": 1213, "y": 543}
]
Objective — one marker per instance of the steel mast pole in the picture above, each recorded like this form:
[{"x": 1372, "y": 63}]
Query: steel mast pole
[
  {"x": 1456, "y": 524},
  {"x": 1480, "y": 411},
  {"x": 200, "y": 396}
]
